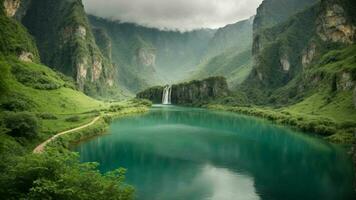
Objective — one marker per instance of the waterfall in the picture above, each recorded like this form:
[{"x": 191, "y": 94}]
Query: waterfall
[{"x": 166, "y": 97}]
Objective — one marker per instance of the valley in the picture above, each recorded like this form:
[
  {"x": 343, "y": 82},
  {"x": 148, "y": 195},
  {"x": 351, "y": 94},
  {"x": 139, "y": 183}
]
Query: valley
[{"x": 181, "y": 113}]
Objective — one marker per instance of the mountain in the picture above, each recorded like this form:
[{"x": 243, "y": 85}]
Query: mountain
[
  {"x": 229, "y": 54},
  {"x": 287, "y": 51},
  {"x": 273, "y": 12},
  {"x": 306, "y": 67},
  {"x": 148, "y": 56},
  {"x": 236, "y": 36},
  {"x": 66, "y": 43}
]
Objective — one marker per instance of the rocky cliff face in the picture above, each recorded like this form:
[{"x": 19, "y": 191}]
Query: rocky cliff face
[
  {"x": 146, "y": 57},
  {"x": 334, "y": 24},
  {"x": 10, "y": 7},
  {"x": 192, "y": 93},
  {"x": 66, "y": 43},
  {"x": 273, "y": 12},
  {"x": 153, "y": 94}
]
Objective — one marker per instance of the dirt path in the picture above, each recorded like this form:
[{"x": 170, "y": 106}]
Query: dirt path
[{"x": 41, "y": 147}]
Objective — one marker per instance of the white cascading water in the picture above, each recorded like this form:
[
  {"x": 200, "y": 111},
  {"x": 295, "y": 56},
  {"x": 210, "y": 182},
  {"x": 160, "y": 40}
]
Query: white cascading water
[{"x": 166, "y": 97}]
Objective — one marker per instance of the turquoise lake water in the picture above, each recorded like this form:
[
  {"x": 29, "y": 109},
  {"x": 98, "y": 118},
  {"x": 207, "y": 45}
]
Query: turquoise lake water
[{"x": 177, "y": 153}]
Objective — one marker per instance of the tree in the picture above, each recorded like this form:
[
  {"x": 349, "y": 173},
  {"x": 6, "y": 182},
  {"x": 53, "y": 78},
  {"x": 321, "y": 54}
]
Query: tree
[
  {"x": 54, "y": 175},
  {"x": 21, "y": 124}
]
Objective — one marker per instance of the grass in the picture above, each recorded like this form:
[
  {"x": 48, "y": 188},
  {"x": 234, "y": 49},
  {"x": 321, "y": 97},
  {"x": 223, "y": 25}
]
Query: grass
[
  {"x": 60, "y": 103},
  {"x": 63, "y": 100}
]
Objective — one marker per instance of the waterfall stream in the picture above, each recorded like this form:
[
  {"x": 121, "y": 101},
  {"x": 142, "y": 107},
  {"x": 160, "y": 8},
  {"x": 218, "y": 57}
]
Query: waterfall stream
[{"x": 166, "y": 97}]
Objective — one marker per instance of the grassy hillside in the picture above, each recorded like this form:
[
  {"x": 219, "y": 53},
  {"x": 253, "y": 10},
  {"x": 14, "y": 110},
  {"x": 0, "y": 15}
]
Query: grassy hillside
[{"x": 36, "y": 103}]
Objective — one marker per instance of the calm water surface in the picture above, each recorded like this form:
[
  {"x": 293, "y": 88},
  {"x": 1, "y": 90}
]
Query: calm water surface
[{"x": 175, "y": 153}]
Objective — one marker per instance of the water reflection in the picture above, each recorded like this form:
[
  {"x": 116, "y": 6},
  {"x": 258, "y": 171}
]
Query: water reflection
[{"x": 184, "y": 153}]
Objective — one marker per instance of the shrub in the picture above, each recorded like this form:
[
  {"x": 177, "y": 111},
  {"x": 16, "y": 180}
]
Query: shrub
[
  {"x": 115, "y": 108},
  {"x": 73, "y": 119},
  {"x": 21, "y": 124},
  {"x": 16, "y": 102},
  {"x": 53, "y": 175},
  {"x": 35, "y": 79},
  {"x": 48, "y": 116}
]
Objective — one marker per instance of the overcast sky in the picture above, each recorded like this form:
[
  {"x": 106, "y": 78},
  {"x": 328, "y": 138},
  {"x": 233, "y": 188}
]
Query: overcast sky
[{"x": 174, "y": 14}]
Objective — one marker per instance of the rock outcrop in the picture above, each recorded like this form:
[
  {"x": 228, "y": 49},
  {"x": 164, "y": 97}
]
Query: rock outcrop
[
  {"x": 153, "y": 94},
  {"x": 344, "y": 82},
  {"x": 285, "y": 63},
  {"x": 146, "y": 57},
  {"x": 197, "y": 92},
  {"x": 333, "y": 24},
  {"x": 191, "y": 93},
  {"x": 26, "y": 56},
  {"x": 11, "y": 6}
]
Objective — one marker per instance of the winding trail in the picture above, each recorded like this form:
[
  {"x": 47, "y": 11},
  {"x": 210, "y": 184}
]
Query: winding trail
[{"x": 40, "y": 148}]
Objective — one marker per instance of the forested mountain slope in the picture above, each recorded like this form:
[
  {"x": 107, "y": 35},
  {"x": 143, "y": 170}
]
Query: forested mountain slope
[
  {"x": 228, "y": 54},
  {"x": 148, "y": 56}
]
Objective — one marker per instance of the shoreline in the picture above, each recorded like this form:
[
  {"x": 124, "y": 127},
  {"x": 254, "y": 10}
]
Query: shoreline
[
  {"x": 95, "y": 128},
  {"x": 327, "y": 130}
]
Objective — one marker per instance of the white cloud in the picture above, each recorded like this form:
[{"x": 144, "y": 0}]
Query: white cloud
[{"x": 174, "y": 14}]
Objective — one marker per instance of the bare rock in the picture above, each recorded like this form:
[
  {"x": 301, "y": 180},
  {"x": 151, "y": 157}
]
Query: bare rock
[
  {"x": 97, "y": 69},
  {"x": 146, "y": 57},
  {"x": 334, "y": 26},
  {"x": 308, "y": 55},
  {"x": 285, "y": 63},
  {"x": 26, "y": 56},
  {"x": 345, "y": 82},
  {"x": 11, "y": 6}
]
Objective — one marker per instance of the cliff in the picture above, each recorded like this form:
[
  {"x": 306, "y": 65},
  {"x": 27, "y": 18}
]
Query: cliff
[
  {"x": 288, "y": 52},
  {"x": 66, "y": 43},
  {"x": 190, "y": 93}
]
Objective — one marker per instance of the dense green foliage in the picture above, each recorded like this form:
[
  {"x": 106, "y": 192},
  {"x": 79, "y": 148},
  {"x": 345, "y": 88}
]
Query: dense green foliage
[
  {"x": 21, "y": 124},
  {"x": 14, "y": 38},
  {"x": 54, "y": 175}
]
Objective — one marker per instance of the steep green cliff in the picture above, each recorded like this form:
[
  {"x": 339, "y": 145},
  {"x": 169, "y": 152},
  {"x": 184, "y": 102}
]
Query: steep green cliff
[
  {"x": 288, "y": 50},
  {"x": 66, "y": 43},
  {"x": 192, "y": 93},
  {"x": 306, "y": 67}
]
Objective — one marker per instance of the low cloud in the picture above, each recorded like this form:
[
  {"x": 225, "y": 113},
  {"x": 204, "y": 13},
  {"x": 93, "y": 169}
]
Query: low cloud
[{"x": 174, "y": 14}]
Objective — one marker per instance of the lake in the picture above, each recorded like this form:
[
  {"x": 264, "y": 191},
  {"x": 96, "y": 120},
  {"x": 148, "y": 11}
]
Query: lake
[{"x": 178, "y": 153}]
